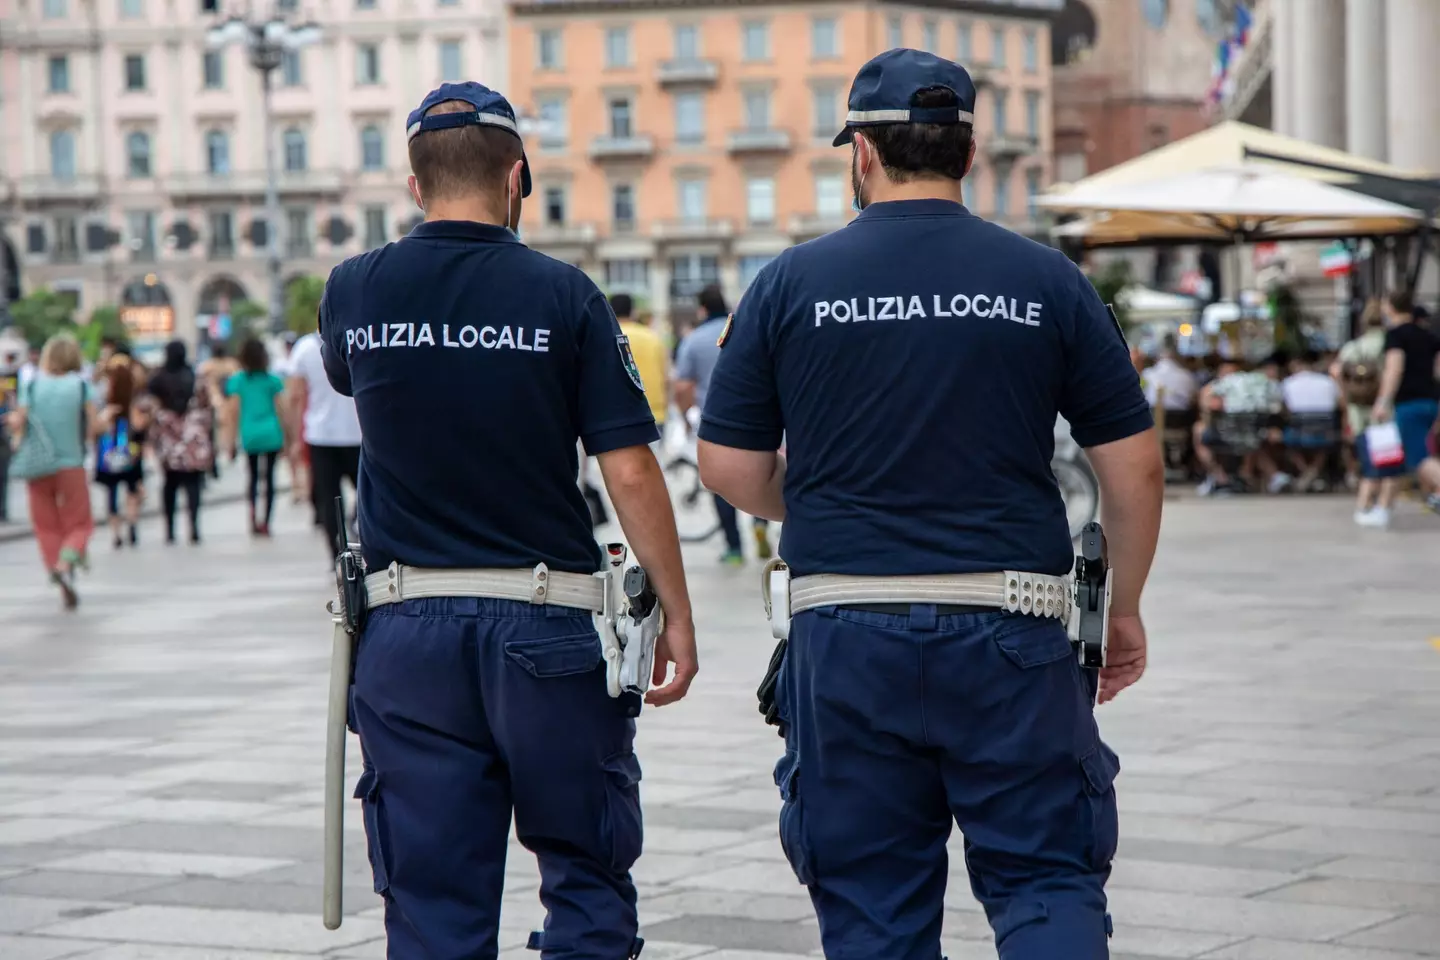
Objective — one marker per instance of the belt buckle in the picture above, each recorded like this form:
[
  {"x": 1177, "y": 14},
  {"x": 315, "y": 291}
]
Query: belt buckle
[{"x": 394, "y": 586}]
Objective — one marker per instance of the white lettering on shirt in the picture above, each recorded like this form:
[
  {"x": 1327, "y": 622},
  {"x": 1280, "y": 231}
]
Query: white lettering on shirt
[
  {"x": 397, "y": 335},
  {"x": 912, "y": 307}
]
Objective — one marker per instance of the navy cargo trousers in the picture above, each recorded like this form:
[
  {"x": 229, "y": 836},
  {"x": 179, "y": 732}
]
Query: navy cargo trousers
[
  {"x": 468, "y": 710},
  {"x": 900, "y": 724}
]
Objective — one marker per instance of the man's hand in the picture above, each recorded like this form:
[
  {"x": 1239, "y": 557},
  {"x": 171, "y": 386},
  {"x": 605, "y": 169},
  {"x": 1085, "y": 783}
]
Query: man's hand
[
  {"x": 1380, "y": 413},
  {"x": 1125, "y": 656},
  {"x": 676, "y": 644}
]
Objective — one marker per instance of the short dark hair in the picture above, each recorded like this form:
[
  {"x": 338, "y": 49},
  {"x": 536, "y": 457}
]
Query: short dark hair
[
  {"x": 456, "y": 162},
  {"x": 1402, "y": 301},
  {"x": 1309, "y": 357},
  {"x": 254, "y": 358},
  {"x": 712, "y": 301},
  {"x": 911, "y": 150},
  {"x": 622, "y": 304}
]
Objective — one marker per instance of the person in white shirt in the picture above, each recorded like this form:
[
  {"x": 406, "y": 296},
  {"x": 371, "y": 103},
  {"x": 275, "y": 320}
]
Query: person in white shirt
[
  {"x": 1173, "y": 377},
  {"x": 331, "y": 433},
  {"x": 1310, "y": 395}
]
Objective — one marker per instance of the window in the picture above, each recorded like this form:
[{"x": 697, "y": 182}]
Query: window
[
  {"x": 375, "y": 233},
  {"x": 997, "y": 47},
  {"x": 827, "y": 117},
  {"x": 1031, "y": 53},
  {"x": 689, "y": 118},
  {"x": 134, "y": 71},
  {"x": 622, "y": 206},
  {"x": 627, "y": 275},
  {"x": 760, "y": 201},
  {"x": 1000, "y": 98},
  {"x": 617, "y": 47},
  {"x": 450, "y": 69},
  {"x": 749, "y": 267},
  {"x": 59, "y": 73},
  {"x": 364, "y": 4},
  {"x": 62, "y": 155},
  {"x": 297, "y": 232},
  {"x": 1002, "y": 191},
  {"x": 548, "y": 51},
  {"x": 757, "y": 109},
  {"x": 687, "y": 42},
  {"x": 964, "y": 42},
  {"x": 222, "y": 233},
  {"x": 1032, "y": 114},
  {"x": 620, "y": 125},
  {"x": 554, "y": 123},
  {"x": 132, "y": 9},
  {"x": 554, "y": 206},
  {"x": 217, "y": 152},
  {"x": 67, "y": 239},
  {"x": 293, "y": 141},
  {"x": 140, "y": 230},
  {"x": 137, "y": 153},
  {"x": 930, "y": 36},
  {"x": 372, "y": 148},
  {"x": 1032, "y": 191},
  {"x": 292, "y": 69},
  {"x": 829, "y": 196},
  {"x": 53, "y": 9},
  {"x": 692, "y": 200},
  {"x": 213, "y": 67},
  {"x": 367, "y": 63},
  {"x": 895, "y": 32},
  {"x": 209, "y": 6},
  {"x": 691, "y": 274},
  {"x": 755, "y": 40},
  {"x": 824, "y": 38}
]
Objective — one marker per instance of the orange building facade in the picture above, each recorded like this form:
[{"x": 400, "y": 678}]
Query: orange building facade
[{"x": 679, "y": 144}]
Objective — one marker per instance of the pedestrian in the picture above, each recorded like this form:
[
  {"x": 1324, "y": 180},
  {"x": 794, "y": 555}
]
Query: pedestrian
[
  {"x": 184, "y": 436},
  {"x": 216, "y": 370},
  {"x": 256, "y": 424},
  {"x": 1408, "y": 392},
  {"x": 694, "y": 366},
  {"x": 57, "y": 413},
  {"x": 1357, "y": 369},
  {"x": 472, "y": 705},
  {"x": 917, "y": 361},
  {"x": 120, "y": 447},
  {"x": 331, "y": 436},
  {"x": 10, "y": 353},
  {"x": 651, "y": 359}
]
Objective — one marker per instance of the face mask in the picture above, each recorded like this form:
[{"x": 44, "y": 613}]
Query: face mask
[{"x": 855, "y": 203}]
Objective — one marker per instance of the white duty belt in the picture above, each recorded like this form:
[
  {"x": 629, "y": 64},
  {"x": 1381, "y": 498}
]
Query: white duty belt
[
  {"x": 539, "y": 585},
  {"x": 1033, "y": 594}
]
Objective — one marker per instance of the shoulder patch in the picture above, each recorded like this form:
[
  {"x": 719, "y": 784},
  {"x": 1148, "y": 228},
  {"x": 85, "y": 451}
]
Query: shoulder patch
[
  {"x": 627, "y": 359},
  {"x": 725, "y": 334}
]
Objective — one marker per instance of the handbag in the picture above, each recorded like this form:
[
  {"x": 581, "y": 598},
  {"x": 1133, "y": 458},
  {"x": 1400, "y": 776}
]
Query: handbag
[
  {"x": 1382, "y": 443},
  {"x": 35, "y": 457}
]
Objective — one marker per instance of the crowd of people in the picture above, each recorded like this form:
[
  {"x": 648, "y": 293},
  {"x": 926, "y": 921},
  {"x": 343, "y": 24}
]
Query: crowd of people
[
  {"x": 180, "y": 420},
  {"x": 1307, "y": 423}
]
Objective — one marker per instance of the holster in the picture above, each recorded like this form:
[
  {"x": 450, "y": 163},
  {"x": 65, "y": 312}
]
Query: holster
[{"x": 1092, "y": 597}]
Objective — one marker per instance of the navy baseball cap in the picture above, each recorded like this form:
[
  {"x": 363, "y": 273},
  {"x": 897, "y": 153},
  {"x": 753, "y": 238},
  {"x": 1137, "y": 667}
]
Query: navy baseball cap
[
  {"x": 490, "y": 108},
  {"x": 885, "y": 88}
]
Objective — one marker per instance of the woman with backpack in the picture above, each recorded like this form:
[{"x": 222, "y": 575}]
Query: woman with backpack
[
  {"x": 255, "y": 414},
  {"x": 55, "y": 418},
  {"x": 184, "y": 436},
  {"x": 119, "y": 449}
]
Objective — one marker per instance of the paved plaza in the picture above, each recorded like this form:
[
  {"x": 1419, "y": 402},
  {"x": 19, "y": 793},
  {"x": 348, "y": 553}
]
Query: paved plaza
[{"x": 161, "y": 757}]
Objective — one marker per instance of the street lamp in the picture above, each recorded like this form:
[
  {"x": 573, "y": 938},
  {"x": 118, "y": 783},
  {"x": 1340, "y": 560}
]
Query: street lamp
[{"x": 266, "y": 42}]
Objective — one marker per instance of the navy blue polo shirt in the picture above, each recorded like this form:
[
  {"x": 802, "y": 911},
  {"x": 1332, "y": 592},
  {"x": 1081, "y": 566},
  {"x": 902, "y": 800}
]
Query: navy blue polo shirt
[
  {"x": 475, "y": 364},
  {"x": 915, "y": 362}
]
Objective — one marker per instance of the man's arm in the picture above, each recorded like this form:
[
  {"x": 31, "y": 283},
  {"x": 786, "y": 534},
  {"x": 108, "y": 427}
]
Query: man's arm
[
  {"x": 1390, "y": 376},
  {"x": 749, "y": 480},
  {"x": 298, "y": 390}
]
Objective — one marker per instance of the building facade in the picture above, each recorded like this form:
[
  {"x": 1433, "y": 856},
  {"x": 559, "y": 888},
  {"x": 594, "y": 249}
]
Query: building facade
[
  {"x": 1357, "y": 75},
  {"x": 679, "y": 144},
  {"x": 133, "y": 156}
]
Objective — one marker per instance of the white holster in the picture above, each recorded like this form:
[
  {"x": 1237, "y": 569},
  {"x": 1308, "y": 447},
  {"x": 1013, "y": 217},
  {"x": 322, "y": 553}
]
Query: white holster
[
  {"x": 627, "y": 641},
  {"x": 775, "y": 589}
]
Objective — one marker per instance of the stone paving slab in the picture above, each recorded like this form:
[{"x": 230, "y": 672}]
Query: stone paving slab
[{"x": 161, "y": 758}]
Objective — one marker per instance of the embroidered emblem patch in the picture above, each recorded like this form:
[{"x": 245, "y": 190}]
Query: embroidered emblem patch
[
  {"x": 725, "y": 334},
  {"x": 628, "y": 360}
]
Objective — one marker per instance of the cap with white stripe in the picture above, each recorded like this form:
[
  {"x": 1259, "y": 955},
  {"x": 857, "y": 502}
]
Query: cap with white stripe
[
  {"x": 491, "y": 109},
  {"x": 884, "y": 91}
]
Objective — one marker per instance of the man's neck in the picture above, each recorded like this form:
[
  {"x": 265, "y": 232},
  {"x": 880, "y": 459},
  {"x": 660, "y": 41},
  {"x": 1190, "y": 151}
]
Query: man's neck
[
  {"x": 929, "y": 189},
  {"x": 471, "y": 210}
]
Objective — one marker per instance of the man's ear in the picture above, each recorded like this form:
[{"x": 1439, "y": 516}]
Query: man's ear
[
  {"x": 970, "y": 158},
  {"x": 415, "y": 191}
]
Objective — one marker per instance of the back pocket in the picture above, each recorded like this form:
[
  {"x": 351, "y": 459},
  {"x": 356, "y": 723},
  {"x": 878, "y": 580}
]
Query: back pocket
[
  {"x": 1028, "y": 641},
  {"x": 556, "y": 656}
]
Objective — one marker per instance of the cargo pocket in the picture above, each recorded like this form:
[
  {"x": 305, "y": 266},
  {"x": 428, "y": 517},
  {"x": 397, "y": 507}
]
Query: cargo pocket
[
  {"x": 556, "y": 656},
  {"x": 792, "y": 819},
  {"x": 1101, "y": 767},
  {"x": 1032, "y": 641},
  {"x": 624, "y": 826},
  {"x": 367, "y": 791}
]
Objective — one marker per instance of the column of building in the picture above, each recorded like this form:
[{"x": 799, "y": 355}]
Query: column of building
[
  {"x": 1412, "y": 31},
  {"x": 1365, "y": 79},
  {"x": 1318, "y": 71}
]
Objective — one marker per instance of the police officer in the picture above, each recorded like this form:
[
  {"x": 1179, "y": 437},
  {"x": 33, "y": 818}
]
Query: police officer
[
  {"x": 475, "y": 364},
  {"x": 917, "y": 360}
]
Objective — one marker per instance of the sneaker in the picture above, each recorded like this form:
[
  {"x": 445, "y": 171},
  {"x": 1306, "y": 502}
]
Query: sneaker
[
  {"x": 1432, "y": 503},
  {"x": 1377, "y": 517},
  {"x": 1279, "y": 483},
  {"x": 733, "y": 558},
  {"x": 1207, "y": 487},
  {"x": 762, "y": 543},
  {"x": 66, "y": 583}
]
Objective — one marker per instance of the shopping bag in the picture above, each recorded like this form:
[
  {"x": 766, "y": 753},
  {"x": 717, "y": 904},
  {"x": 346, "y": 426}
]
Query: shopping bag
[{"x": 1382, "y": 442}]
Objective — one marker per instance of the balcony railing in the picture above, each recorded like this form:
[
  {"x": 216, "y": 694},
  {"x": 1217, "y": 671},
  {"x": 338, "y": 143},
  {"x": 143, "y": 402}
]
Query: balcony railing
[
  {"x": 1009, "y": 147},
  {"x": 253, "y": 183},
  {"x": 695, "y": 228},
  {"x": 559, "y": 235},
  {"x": 808, "y": 226},
  {"x": 688, "y": 71},
  {"x": 759, "y": 140},
  {"x": 81, "y": 187},
  {"x": 634, "y": 147}
]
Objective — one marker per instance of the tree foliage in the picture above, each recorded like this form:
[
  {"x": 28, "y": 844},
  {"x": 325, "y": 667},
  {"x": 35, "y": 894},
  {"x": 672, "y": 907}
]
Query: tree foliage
[
  {"x": 43, "y": 313},
  {"x": 302, "y": 303},
  {"x": 1108, "y": 282}
]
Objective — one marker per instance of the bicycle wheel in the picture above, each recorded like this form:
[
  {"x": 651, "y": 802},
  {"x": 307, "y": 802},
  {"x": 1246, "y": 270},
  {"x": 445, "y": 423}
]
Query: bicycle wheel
[
  {"x": 1081, "y": 493},
  {"x": 695, "y": 517}
]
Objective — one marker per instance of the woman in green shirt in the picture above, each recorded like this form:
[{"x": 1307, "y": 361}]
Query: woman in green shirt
[{"x": 255, "y": 412}]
